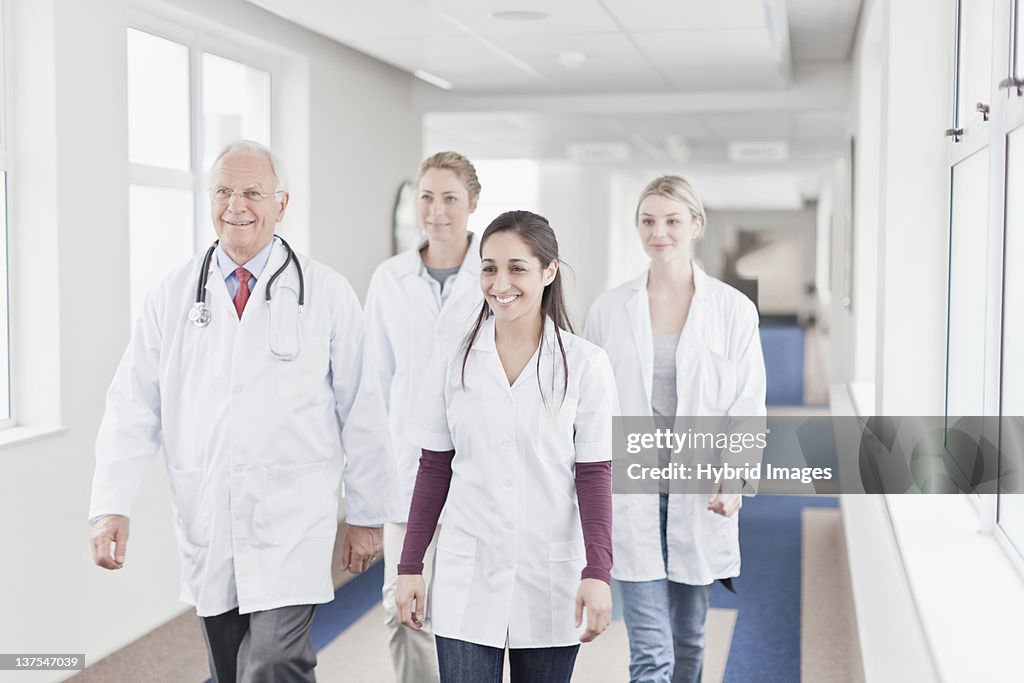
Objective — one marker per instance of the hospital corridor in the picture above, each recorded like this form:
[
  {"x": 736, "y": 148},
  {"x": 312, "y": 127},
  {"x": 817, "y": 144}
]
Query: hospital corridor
[{"x": 490, "y": 340}]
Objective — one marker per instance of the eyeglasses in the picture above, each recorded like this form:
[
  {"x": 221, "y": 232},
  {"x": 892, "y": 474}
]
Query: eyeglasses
[{"x": 223, "y": 195}]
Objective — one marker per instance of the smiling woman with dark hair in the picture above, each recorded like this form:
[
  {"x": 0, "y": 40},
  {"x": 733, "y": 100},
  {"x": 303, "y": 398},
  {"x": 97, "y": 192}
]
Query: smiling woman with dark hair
[{"x": 517, "y": 441}]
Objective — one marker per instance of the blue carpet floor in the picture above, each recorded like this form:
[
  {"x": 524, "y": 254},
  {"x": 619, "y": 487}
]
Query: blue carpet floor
[
  {"x": 766, "y": 641},
  {"x": 351, "y": 601},
  {"x": 783, "y": 348}
]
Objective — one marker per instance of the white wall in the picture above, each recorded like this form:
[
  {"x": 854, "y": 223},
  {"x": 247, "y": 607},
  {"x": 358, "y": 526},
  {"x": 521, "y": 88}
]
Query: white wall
[
  {"x": 903, "y": 82},
  {"x": 354, "y": 124},
  {"x": 576, "y": 200},
  {"x": 912, "y": 236}
]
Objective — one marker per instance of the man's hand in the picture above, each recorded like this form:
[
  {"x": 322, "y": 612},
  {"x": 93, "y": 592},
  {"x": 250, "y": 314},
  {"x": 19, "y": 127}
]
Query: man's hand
[
  {"x": 595, "y": 596},
  {"x": 409, "y": 597},
  {"x": 362, "y": 546},
  {"x": 110, "y": 529}
]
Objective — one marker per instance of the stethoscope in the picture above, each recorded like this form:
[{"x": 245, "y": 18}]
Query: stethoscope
[{"x": 200, "y": 313}]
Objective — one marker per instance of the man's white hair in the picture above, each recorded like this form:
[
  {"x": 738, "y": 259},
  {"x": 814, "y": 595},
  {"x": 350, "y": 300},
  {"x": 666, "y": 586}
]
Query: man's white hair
[{"x": 252, "y": 147}]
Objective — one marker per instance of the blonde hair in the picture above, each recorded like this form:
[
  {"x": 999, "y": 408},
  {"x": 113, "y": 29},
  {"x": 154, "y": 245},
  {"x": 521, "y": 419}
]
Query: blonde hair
[
  {"x": 459, "y": 165},
  {"x": 677, "y": 189}
]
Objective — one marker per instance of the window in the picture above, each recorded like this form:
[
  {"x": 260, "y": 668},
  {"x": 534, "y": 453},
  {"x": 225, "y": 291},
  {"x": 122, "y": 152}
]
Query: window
[
  {"x": 6, "y": 413},
  {"x": 1009, "y": 134},
  {"x": 985, "y": 372},
  {"x": 185, "y": 102}
]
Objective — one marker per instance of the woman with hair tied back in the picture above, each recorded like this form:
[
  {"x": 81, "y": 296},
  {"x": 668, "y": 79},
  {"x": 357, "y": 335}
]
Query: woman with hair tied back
[
  {"x": 681, "y": 343},
  {"x": 516, "y": 437},
  {"x": 420, "y": 298}
]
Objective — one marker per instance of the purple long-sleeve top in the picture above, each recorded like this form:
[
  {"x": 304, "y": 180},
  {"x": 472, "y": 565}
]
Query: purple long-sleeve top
[{"x": 593, "y": 493}]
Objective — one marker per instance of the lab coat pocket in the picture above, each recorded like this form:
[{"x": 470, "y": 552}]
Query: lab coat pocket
[
  {"x": 298, "y": 503},
  {"x": 304, "y": 379},
  {"x": 718, "y": 383},
  {"x": 454, "y": 569},
  {"x": 565, "y": 562},
  {"x": 188, "y": 488}
]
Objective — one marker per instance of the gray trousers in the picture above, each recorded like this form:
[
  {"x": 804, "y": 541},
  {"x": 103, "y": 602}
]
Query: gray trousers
[
  {"x": 261, "y": 647},
  {"x": 412, "y": 652}
]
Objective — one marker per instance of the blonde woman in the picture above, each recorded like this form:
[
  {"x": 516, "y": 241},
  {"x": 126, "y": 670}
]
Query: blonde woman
[
  {"x": 680, "y": 343},
  {"x": 423, "y": 297}
]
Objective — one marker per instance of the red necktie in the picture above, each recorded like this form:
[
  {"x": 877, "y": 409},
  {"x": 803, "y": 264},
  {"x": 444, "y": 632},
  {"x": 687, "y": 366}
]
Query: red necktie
[{"x": 242, "y": 295}]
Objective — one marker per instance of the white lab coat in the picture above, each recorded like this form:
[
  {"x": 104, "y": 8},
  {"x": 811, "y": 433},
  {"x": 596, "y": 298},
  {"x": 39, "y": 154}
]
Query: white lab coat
[
  {"x": 511, "y": 550},
  {"x": 405, "y": 320},
  {"x": 719, "y": 371},
  {"x": 253, "y": 443}
]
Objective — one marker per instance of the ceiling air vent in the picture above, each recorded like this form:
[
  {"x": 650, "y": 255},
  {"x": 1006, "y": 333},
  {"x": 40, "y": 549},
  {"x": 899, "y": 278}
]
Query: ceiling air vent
[{"x": 758, "y": 152}]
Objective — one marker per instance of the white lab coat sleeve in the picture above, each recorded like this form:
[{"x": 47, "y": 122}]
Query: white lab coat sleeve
[
  {"x": 429, "y": 427},
  {"x": 130, "y": 432},
  {"x": 380, "y": 354},
  {"x": 747, "y": 413},
  {"x": 598, "y": 402},
  {"x": 592, "y": 326},
  {"x": 369, "y": 474},
  {"x": 751, "y": 381}
]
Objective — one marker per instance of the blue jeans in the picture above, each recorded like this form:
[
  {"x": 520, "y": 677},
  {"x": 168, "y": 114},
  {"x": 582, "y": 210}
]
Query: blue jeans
[
  {"x": 665, "y": 621},
  {"x": 464, "y": 662}
]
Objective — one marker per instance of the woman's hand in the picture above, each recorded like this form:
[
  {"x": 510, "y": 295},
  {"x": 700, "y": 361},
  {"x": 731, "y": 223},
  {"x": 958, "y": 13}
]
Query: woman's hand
[
  {"x": 725, "y": 504},
  {"x": 596, "y": 596},
  {"x": 409, "y": 598}
]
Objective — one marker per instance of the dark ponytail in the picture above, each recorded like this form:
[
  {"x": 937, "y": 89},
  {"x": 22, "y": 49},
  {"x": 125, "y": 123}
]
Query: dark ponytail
[{"x": 538, "y": 235}]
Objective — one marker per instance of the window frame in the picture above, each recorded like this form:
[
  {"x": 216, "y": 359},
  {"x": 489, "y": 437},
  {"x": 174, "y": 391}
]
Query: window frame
[
  {"x": 7, "y": 354},
  {"x": 198, "y": 42},
  {"x": 1006, "y": 115}
]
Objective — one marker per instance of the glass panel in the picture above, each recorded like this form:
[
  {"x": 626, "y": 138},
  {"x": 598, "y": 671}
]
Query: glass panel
[
  {"x": 965, "y": 380},
  {"x": 975, "y": 77},
  {"x": 1011, "y": 506},
  {"x": 236, "y": 104},
  {"x": 5, "y": 358},
  {"x": 161, "y": 236},
  {"x": 158, "y": 101}
]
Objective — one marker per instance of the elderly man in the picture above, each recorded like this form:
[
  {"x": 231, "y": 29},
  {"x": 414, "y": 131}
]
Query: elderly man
[{"x": 254, "y": 395}]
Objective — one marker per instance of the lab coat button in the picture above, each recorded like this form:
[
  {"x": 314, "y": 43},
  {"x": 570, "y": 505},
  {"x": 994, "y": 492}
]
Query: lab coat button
[
  {"x": 237, "y": 390},
  {"x": 508, "y": 483},
  {"x": 509, "y": 525}
]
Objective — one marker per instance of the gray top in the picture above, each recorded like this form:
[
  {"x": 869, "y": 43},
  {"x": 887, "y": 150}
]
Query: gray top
[
  {"x": 442, "y": 275},
  {"x": 663, "y": 393},
  {"x": 663, "y": 387}
]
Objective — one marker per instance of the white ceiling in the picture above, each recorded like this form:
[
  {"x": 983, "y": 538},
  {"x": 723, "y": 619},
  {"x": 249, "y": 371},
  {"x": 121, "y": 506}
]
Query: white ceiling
[{"x": 671, "y": 81}]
